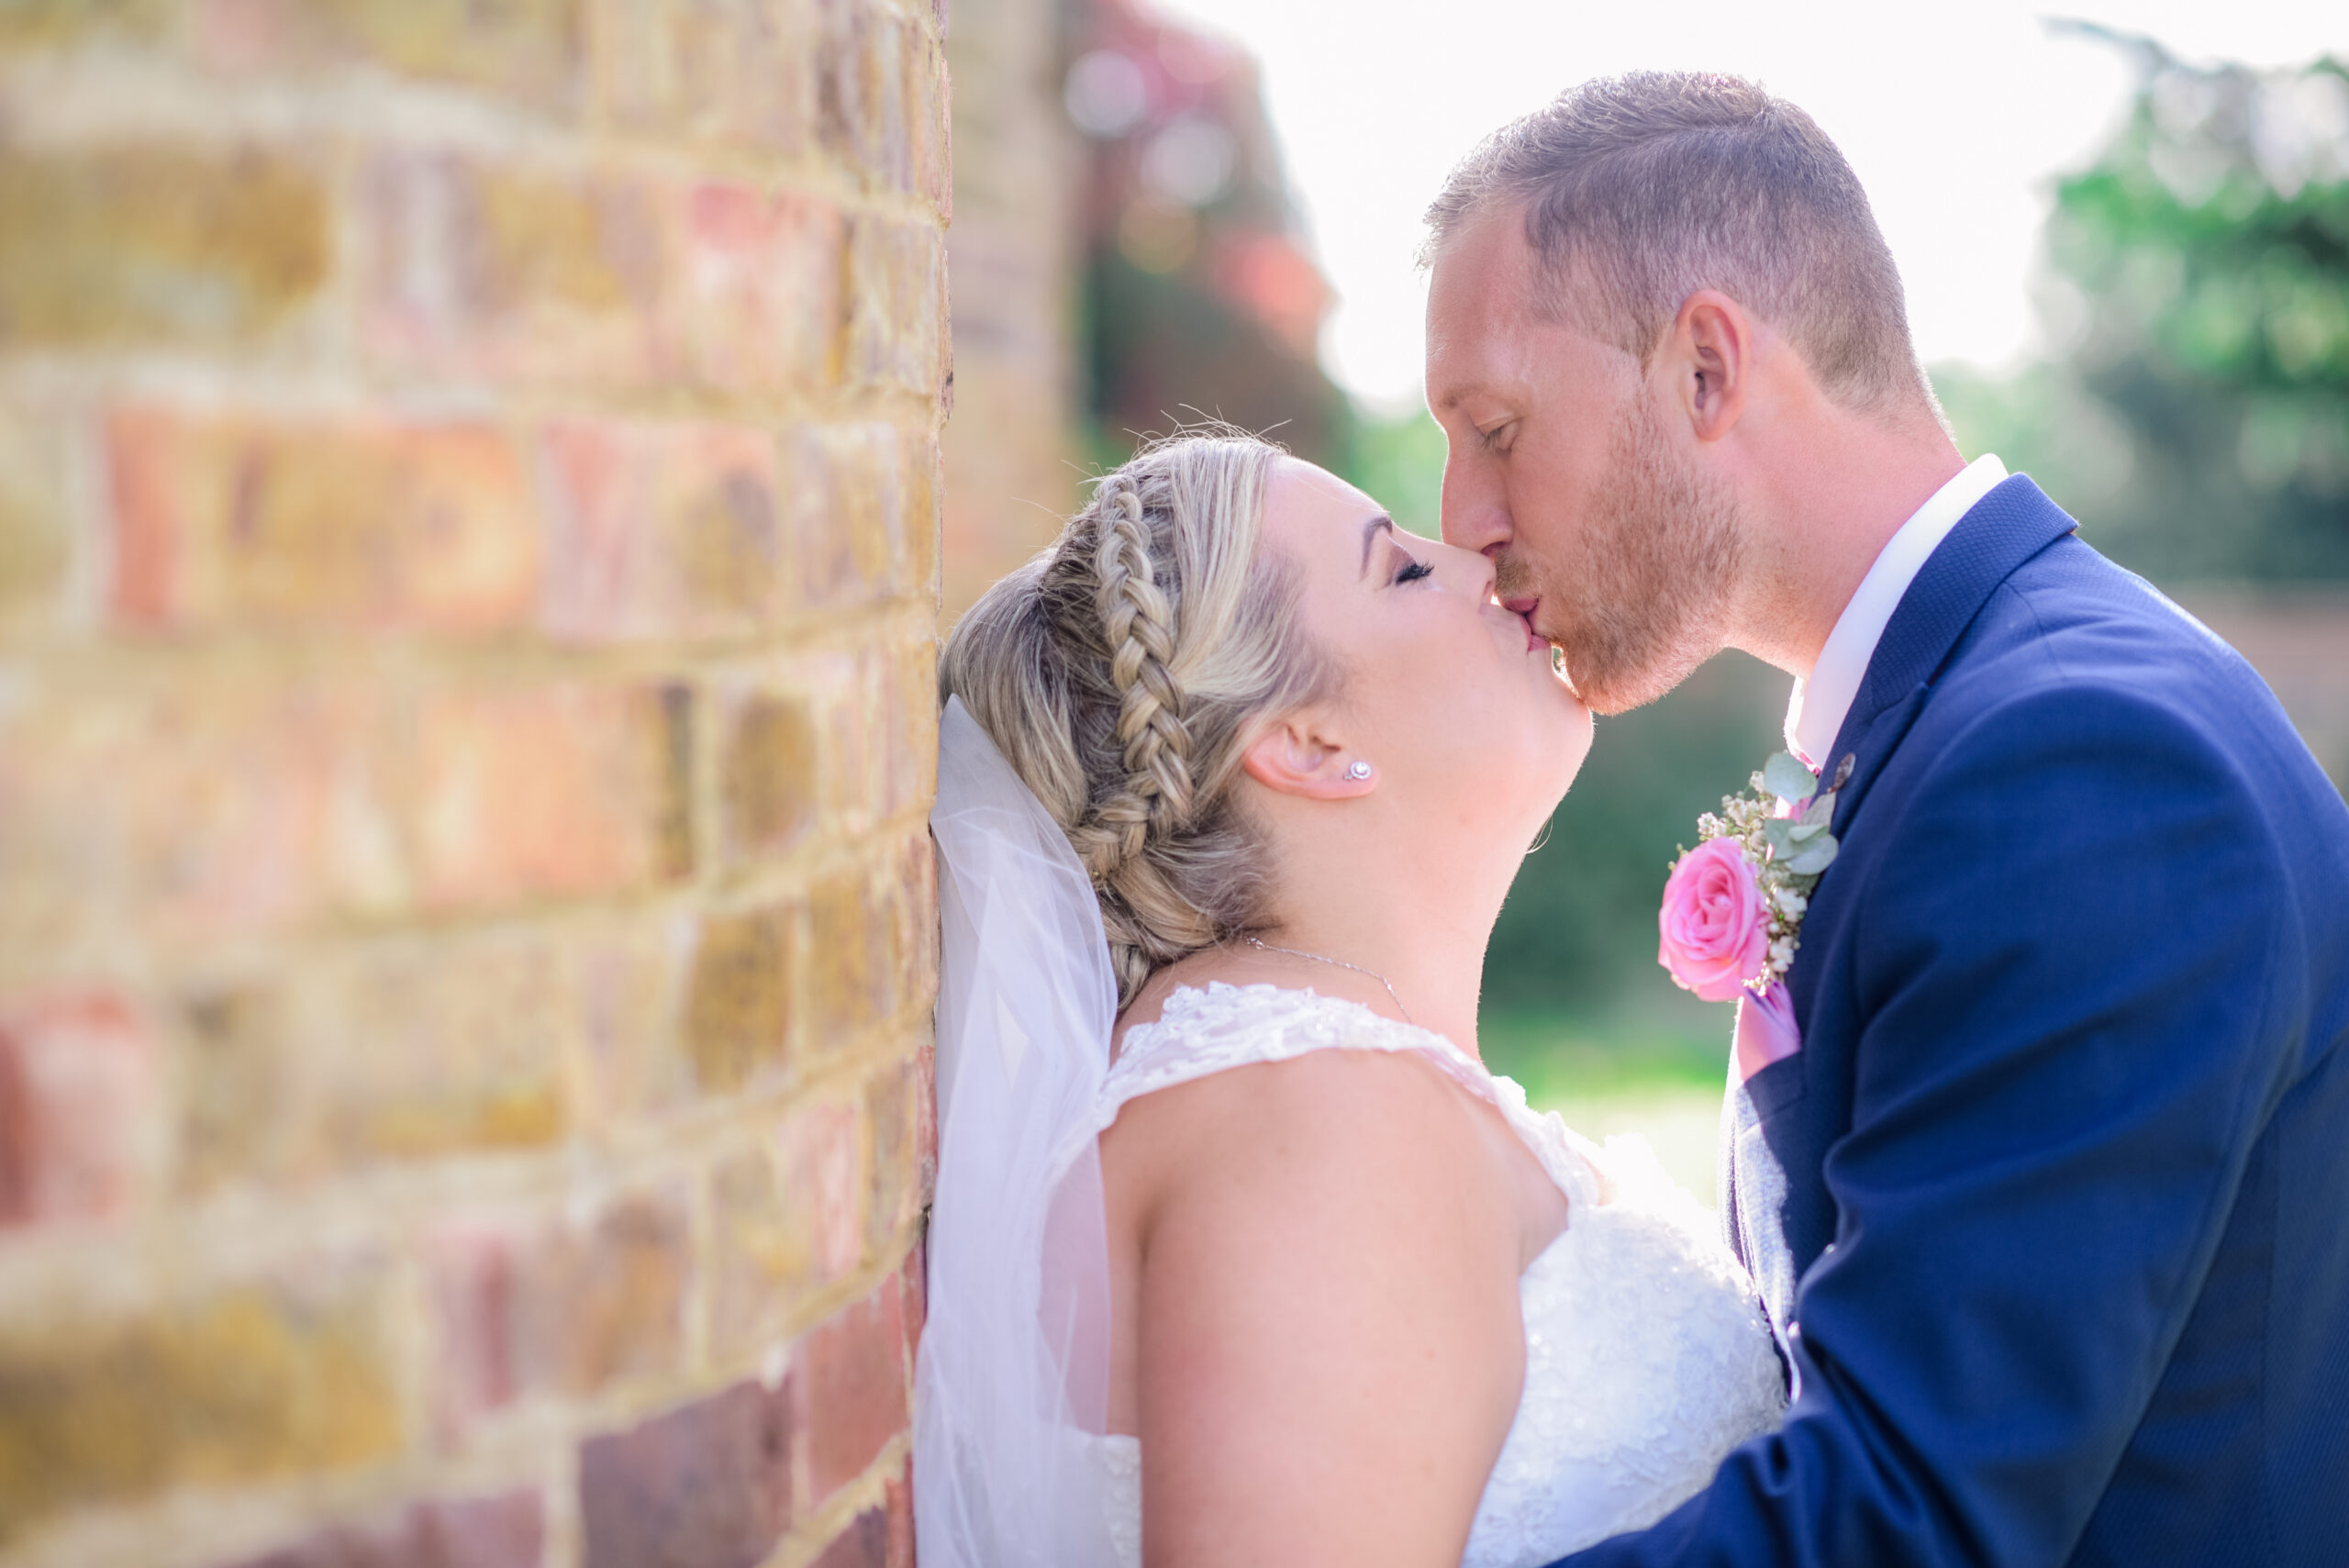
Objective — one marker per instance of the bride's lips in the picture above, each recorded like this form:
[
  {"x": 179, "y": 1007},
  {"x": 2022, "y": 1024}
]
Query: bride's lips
[{"x": 1523, "y": 610}]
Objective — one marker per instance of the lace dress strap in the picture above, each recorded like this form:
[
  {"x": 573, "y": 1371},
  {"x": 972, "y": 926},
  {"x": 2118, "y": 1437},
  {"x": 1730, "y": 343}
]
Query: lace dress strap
[{"x": 1211, "y": 1029}]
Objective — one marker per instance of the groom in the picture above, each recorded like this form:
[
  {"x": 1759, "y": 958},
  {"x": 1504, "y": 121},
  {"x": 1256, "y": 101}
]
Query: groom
[{"x": 2050, "y": 1208}]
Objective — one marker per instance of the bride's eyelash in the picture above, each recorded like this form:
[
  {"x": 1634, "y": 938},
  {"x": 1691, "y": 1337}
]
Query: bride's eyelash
[{"x": 1413, "y": 573}]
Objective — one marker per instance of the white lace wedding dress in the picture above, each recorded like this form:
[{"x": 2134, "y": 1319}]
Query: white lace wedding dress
[{"x": 1646, "y": 1358}]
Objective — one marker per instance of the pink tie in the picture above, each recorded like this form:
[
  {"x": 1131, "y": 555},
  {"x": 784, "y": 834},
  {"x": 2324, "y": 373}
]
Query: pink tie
[{"x": 1767, "y": 1031}]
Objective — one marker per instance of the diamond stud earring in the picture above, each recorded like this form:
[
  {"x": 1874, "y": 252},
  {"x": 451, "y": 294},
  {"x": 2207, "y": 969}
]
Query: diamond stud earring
[{"x": 1358, "y": 772}]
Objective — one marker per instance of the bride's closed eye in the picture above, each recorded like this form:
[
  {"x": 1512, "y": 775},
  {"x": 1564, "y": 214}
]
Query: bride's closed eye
[{"x": 1413, "y": 573}]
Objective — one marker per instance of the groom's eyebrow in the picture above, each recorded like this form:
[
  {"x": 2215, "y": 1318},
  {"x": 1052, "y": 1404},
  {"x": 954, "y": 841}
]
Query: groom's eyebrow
[{"x": 1369, "y": 534}]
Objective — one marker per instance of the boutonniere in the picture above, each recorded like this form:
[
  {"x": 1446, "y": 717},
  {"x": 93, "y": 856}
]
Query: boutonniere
[{"x": 1733, "y": 906}]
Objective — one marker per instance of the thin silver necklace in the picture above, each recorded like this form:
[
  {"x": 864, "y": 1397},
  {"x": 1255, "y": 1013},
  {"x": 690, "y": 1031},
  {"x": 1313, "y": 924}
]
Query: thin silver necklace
[{"x": 1261, "y": 946}]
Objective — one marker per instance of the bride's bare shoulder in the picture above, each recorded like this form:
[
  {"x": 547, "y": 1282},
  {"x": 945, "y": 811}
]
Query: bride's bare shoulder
[{"x": 1330, "y": 1125}]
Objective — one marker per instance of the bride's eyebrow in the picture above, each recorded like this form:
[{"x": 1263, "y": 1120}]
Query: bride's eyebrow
[{"x": 1369, "y": 535}]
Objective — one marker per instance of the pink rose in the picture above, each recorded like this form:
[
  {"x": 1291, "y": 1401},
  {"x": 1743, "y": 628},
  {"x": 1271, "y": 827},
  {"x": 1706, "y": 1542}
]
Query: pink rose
[{"x": 1716, "y": 927}]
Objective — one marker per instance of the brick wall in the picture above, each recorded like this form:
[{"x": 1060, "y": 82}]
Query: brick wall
[{"x": 468, "y": 556}]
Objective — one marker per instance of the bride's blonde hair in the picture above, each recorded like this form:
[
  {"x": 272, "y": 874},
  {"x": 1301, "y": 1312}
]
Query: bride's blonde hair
[{"x": 1117, "y": 674}]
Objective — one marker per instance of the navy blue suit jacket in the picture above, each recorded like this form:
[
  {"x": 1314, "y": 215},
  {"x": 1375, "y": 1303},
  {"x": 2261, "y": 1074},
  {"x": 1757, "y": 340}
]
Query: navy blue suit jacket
[{"x": 2055, "y": 1198}]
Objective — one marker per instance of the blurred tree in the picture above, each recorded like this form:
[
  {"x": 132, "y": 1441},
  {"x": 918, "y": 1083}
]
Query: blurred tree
[
  {"x": 1200, "y": 300},
  {"x": 2198, "y": 422}
]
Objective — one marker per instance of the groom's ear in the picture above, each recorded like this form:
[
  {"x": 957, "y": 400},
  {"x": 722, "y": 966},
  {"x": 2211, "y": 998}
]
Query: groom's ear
[
  {"x": 1712, "y": 350},
  {"x": 1297, "y": 756}
]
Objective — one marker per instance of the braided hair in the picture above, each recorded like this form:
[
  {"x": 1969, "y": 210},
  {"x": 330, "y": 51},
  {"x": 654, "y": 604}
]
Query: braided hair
[{"x": 1120, "y": 672}]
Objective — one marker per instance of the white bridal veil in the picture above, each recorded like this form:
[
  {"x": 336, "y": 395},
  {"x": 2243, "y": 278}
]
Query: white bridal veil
[{"x": 1013, "y": 1371}]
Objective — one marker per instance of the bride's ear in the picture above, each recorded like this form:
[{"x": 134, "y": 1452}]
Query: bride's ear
[{"x": 1294, "y": 755}]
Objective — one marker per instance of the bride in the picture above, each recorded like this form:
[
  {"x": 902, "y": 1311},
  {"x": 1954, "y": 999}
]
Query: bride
[{"x": 1240, "y": 1255}]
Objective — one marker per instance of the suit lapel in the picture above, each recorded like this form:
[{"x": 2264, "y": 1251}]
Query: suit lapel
[{"x": 2014, "y": 522}]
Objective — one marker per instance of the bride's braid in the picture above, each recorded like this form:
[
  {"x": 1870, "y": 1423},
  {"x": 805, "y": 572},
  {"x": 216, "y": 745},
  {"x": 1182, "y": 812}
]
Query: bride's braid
[
  {"x": 1137, "y": 623},
  {"x": 1116, "y": 673}
]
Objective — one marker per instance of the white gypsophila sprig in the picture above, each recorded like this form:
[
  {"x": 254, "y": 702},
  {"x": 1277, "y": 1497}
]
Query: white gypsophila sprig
[{"x": 1781, "y": 828}]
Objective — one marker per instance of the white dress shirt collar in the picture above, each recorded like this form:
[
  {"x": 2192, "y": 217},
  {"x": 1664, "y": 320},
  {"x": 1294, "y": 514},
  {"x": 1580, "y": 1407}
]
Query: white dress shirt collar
[{"x": 1816, "y": 714}]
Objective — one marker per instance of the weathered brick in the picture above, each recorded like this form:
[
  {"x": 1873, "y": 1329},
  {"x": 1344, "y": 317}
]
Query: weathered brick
[
  {"x": 632, "y": 1066},
  {"x": 901, "y": 695},
  {"x": 665, "y": 532},
  {"x": 35, "y": 537},
  {"x": 732, "y": 73},
  {"x": 707, "y": 1485},
  {"x": 228, "y": 521},
  {"x": 380, "y": 772},
  {"x": 850, "y": 481},
  {"x": 857, "y": 957},
  {"x": 78, "y": 1074},
  {"x": 547, "y": 791},
  {"x": 464, "y": 1048},
  {"x": 926, "y": 1119},
  {"x": 456, "y": 1046},
  {"x": 930, "y": 101},
  {"x": 200, "y": 811},
  {"x": 881, "y": 1537},
  {"x": 539, "y": 276},
  {"x": 913, "y": 1278},
  {"x": 503, "y": 1530},
  {"x": 740, "y": 1005},
  {"x": 896, "y": 306},
  {"x": 852, "y": 1379},
  {"x": 925, "y": 518},
  {"x": 896, "y": 1193},
  {"x": 762, "y": 280},
  {"x": 236, "y": 1110},
  {"x": 783, "y": 1218},
  {"x": 51, "y": 24},
  {"x": 768, "y": 774},
  {"x": 854, "y": 789},
  {"x": 532, "y": 1306},
  {"x": 863, "y": 1543},
  {"x": 146, "y": 245},
  {"x": 264, "y": 1380},
  {"x": 529, "y": 51},
  {"x": 861, "y": 70}
]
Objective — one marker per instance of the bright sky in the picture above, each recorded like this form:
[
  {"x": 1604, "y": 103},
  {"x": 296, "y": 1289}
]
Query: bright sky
[{"x": 1956, "y": 117}]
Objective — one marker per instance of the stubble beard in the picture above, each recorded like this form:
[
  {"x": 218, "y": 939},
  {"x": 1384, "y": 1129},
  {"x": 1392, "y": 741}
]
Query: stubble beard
[{"x": 1639, "y": 594}]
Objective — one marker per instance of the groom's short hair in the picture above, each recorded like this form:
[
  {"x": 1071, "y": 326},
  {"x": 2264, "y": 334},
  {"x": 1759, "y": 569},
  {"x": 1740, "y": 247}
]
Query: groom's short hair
[{"x": 1640, "y": 190}]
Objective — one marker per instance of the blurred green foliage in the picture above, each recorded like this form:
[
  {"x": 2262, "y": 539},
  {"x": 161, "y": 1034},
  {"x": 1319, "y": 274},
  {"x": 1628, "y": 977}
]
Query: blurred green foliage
[
  {"x": 1401, "y": 461},
  {"x": 2197, "y": 419},
  {"x": 1164, "y": 349}
]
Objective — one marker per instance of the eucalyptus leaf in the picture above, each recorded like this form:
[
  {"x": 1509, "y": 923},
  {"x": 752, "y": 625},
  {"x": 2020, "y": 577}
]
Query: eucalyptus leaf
[
  {"x": 1822, "y": 810},
  {"x": 1812, "y": 858},
  {"x": 1803, "y": 833},
  {"x": 1778, "y": 833},
  {"x": 1787, "y": 779}
]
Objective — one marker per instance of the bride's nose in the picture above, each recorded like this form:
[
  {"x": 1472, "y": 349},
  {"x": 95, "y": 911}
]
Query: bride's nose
[{"x": 1471, "y": 569}]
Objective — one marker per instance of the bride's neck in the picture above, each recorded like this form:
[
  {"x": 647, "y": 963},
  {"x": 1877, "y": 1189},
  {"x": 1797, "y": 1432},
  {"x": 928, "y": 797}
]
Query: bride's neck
[{"x": 1416, "y": 926}]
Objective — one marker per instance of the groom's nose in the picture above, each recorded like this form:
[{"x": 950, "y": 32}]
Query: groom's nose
[{"x": 1475, "y": 507}]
